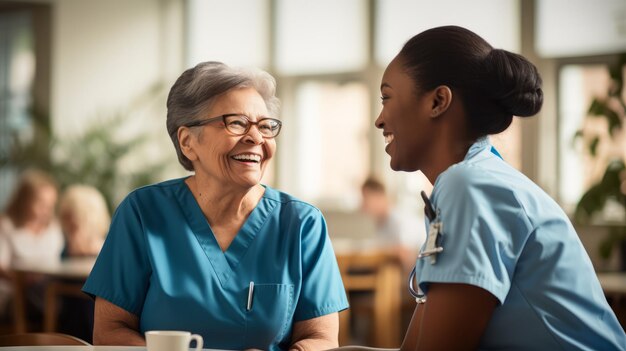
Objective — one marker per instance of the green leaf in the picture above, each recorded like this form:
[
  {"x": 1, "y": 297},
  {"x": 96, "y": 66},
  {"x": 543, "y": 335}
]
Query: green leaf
[
  {"x": 594, "y": 199},
  {"x": 616, "y": 236},
  {"x": 601, "y": 108}
]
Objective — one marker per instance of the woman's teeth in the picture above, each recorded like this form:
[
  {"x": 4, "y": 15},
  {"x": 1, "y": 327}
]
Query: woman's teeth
[
  {"x": 249, "y": 158},
  {"x": 388, "y": 138}
]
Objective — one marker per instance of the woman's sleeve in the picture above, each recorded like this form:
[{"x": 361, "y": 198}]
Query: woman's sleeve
[
  {"x": 122, "y": 271},
  {"x": 322, "y": 288}
]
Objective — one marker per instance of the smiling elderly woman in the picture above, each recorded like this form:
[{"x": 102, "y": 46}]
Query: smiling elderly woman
[{"x": 217, "y": 253}]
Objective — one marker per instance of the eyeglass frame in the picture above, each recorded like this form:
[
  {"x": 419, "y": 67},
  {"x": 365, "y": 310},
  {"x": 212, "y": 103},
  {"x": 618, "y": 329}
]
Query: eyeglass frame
[{"x": 250, "y": 123}]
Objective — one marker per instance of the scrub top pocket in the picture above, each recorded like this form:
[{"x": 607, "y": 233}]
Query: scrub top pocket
[{"x": 268, "y": 320}]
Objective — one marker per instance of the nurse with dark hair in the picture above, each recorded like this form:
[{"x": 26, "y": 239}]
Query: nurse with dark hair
[{"x": 502, "y": 267}]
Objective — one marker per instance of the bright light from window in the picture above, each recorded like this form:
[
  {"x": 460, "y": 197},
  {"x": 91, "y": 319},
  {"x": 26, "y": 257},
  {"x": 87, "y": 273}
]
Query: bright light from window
[
  {"x": 331, "y": 157},
  {"x": 397, "y": 21},
  {"x": 579, "y": 85},
  {"x": 320, "y": 36},
  {"x": 235, "y": 32},
  {"x": 580, "y": 27}
]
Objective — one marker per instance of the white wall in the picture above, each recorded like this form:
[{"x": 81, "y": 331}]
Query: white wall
[{"x": 105, "y": 56}]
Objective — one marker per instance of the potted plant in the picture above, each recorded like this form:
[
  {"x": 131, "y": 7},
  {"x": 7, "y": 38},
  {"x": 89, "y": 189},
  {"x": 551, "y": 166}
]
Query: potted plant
[
  {"x": 95, "y": 156},
  {"x": 610, "y": 190}
]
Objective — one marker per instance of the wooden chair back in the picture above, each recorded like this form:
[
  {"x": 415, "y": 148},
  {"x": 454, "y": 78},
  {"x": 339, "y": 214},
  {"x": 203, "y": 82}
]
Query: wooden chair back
[{"x": 379, "y": 273}]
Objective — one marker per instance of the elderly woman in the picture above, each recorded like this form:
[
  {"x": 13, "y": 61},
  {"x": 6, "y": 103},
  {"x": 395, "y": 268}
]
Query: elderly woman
[
  {"x": 217, "y": 253},
  {"x": 84, "y": 219}
]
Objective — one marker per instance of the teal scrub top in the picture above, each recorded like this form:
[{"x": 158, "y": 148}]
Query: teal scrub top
[
  {"x": 504, "y": 234},
  {"x": 162, "y": 263}
]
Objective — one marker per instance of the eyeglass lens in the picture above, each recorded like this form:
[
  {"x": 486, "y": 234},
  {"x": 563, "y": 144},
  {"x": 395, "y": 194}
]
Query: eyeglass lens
[{"x": 240, "y": 125}]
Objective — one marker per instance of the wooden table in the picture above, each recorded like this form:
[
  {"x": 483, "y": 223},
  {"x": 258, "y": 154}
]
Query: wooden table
[
  {"x": 66, "y": 278},
  {"x": 613, "y": 283}
]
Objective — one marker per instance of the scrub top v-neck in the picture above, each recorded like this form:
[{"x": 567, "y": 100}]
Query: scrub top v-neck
[{"x": 162, "y": 263}]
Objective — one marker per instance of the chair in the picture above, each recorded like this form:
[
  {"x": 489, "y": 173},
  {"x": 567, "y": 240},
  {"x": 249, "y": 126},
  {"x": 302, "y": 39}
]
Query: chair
[
  {"x": 40, "y": 339},
  {"x": 54, "y": 291},
  {"x": 380, "y": 274}
]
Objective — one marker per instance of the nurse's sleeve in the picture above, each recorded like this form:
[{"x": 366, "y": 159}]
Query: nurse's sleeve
[
  {"x": 122, "y": 270},
  {"x": 322, "y": 289},
  {"x": 484, "y": 232}
]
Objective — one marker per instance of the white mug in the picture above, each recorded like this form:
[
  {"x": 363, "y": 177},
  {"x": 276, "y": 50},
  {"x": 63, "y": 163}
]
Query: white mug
[{"x": 171, "y": 340}]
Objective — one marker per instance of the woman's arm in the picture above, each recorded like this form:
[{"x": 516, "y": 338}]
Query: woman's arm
[
  {"x": 319, "y": 333},
  {"x": 115, "y": 326},
  {"x": 453, "y": 318}
]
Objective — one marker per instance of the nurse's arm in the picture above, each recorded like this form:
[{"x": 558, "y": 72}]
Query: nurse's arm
[
  {"x": 320, "y": 333},
  {"x": 454, "y": 317},
  {"x": 115, "y": 326}
]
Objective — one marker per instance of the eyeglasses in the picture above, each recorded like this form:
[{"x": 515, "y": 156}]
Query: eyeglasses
[{"x": 238, "y": 124}]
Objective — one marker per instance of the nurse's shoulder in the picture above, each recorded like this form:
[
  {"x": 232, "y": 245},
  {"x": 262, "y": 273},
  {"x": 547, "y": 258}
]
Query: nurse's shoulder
[{"x": 471, "y": 183}]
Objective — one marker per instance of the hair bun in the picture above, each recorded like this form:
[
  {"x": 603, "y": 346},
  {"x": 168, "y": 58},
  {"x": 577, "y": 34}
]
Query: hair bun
[{"x": 515, "y": 83}]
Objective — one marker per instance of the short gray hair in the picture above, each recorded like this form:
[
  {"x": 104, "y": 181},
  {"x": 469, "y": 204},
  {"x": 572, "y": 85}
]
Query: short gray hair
[{"x": 198, "y": 87}]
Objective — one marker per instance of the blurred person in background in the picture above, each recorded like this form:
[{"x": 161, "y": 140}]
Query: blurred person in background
[
  {"x": 84, "y": 219},
  {"x": 397, "y": 231},
  {"x": 217, "y": 253},
  {"x": 29, "y": 235}
]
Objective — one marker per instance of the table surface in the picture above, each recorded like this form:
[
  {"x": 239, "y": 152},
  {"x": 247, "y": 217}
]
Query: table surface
[
  {"x": 82, "y": 348},
  {"x": 78, "y": 268}
]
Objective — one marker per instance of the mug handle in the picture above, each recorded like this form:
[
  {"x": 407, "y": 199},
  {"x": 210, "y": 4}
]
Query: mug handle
[{"x": 199, "y": 341}]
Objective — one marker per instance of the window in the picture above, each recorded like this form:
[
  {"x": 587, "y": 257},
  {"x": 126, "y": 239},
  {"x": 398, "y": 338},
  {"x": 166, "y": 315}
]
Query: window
[
  {"x": 580, "y": 27},
  {"x": 328, "y": 57},
  {"x": 17, "y": 71},
  {"x": 397, "y": 21},
  {"x": 330, "y": 158},
  {"x": 579, "y": 85},
  {"x": 235, "y": 32},
  {"x": 322, "y": 36}
]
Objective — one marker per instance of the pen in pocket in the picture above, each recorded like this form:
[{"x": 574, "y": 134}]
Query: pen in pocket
[{"x": 250, "y": 294}]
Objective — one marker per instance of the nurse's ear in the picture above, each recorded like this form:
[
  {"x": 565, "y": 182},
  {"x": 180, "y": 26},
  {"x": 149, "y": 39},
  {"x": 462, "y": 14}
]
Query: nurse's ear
[
  {"x": 441, "y": 98},
  {"x": 185, "y": 139}
]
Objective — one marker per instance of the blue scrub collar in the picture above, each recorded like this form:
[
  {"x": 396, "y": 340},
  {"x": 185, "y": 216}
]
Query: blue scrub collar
[{"x": 479, "y": 145}]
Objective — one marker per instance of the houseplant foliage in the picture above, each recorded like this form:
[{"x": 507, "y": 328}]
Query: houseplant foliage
[
  {"x": 98, "y": 155},
  {"x": 611, "y": 188}
]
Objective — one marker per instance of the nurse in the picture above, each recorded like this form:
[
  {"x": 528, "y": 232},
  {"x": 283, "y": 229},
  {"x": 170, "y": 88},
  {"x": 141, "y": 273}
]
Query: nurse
[
  {"x": 513, "y": 274},
  {"x": 217, "y": 253}
]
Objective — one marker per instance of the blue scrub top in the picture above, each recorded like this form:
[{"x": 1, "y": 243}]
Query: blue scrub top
[
  {"x": 504, "y": 234},
  {"x": 162, "y": 263}
]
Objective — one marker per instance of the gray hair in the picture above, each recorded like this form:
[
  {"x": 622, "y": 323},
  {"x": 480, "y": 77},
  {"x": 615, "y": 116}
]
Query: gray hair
[{"x": 197, "y": 88}]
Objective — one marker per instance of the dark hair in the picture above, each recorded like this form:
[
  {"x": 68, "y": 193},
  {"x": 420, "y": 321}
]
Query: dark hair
[
  {"x": 197, "y": 88},
  {"x": 493, "y": 84},
  {"x": 373, "y": 184}
]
